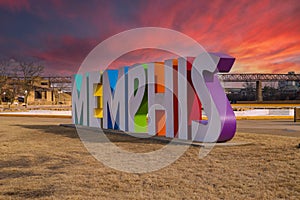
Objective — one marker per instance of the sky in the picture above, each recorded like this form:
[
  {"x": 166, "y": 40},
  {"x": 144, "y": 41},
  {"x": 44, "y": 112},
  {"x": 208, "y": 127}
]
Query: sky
[{"x": 262, "y": 35}]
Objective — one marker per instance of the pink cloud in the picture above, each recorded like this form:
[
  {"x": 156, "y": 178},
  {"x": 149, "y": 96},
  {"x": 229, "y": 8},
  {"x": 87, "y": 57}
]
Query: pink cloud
[
  {"x": 63, "y": 54},
  {"x": 262, "y": 35},
  {"x": 15, "y": 5},
  {"x": 256, "y": 33}
]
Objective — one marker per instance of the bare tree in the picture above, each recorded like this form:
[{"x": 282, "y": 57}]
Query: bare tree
[
  {"x": 4, "y": 64},
  {"x": 28, "y": 73}
]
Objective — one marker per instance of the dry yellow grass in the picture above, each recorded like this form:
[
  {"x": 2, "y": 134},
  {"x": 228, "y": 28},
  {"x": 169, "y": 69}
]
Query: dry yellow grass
[{"x": 41, "y": 160}]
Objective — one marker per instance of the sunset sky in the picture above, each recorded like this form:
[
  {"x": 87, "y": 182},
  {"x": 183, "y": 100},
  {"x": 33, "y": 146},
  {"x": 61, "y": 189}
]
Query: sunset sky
[{"x": 262, "y": 35}]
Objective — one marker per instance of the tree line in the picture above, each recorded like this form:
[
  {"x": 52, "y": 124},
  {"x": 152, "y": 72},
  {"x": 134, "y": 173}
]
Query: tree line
[{"x": 269, "y": 92}]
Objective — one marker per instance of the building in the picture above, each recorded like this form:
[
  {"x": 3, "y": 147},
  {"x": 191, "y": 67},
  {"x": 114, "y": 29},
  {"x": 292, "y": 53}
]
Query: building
[
  {"x": 42, "y": 92},
  {"x": 45, "y": 93}
]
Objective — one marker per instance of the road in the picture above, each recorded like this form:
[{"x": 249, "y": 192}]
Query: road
[{"x": 273, "y": 127}]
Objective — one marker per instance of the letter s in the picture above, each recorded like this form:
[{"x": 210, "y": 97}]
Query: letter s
[{"x": 221, "y": 124}]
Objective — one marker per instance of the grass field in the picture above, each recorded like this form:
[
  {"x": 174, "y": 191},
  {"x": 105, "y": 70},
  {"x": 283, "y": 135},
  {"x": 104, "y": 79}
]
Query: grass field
[{"x": 42, "y": 160}]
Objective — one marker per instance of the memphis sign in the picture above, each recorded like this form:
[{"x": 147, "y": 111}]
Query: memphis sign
[{"x": 159, "y": 98}]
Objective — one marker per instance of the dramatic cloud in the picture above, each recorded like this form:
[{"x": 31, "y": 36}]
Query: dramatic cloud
[
  {"x": 15, "y": 5},
  {"x": 262, "y": 35}
]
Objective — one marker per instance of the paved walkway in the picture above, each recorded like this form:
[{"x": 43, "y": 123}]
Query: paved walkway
[{"x": 273, "y": 127}]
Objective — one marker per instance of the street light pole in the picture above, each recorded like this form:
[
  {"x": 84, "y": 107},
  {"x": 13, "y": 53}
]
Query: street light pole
[{"x": 25, "y": 98}]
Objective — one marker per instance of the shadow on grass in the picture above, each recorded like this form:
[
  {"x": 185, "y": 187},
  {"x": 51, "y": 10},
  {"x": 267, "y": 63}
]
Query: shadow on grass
[
  {"x": 31, "y": 193},
  {"x": 119, "y": 137},
  {"x": 112, "y": 135},
  {"x": 19, "y": 162},
  {"x": 51, "y": 129}
]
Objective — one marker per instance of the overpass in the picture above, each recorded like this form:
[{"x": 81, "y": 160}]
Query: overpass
[
  {"x": 259, "y": 78},
  {"x": 256, "y": 77}
]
